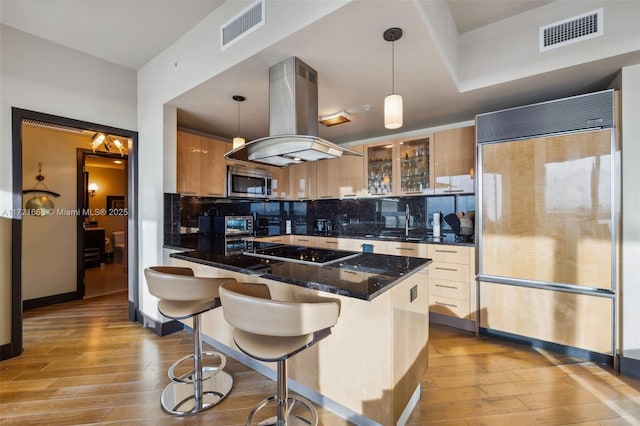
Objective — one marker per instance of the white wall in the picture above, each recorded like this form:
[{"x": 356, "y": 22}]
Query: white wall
[
  {"x": 193, "y": 59},
  {"x": 630, "y": 210},
  {"x": 41, "y": 76},
  {"x": 508, "y": 50}
]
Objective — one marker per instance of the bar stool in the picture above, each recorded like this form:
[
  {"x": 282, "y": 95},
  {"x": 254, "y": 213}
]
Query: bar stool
[
  {"x": 182, "y": 295},
  {"x": 273, "y": 331}
]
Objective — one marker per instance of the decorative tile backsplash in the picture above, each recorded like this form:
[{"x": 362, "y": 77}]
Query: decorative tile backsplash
[{"x": 352, "y": 216}]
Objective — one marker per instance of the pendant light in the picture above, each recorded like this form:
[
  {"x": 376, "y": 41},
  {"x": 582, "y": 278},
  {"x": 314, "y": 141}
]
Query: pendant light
[
  {"x": 238, "y": 141},
  {"x": 393, "y": 102}
]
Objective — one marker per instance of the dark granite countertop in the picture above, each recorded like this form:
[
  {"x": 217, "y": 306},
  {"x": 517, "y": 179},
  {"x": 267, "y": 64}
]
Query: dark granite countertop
[
  {"x": 363, "y": 277},
  {"x": 447, "y": 238}
]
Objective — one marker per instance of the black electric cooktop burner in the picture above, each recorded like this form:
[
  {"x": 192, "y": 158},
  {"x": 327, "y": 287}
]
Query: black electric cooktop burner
[{"x": 304, "y": 255}]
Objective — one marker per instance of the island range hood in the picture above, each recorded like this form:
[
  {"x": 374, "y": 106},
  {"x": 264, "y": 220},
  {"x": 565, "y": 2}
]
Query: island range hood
[{"x": 293, "y": 121}]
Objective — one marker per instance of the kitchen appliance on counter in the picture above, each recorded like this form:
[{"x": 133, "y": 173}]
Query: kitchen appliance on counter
[
  {"x": 230, "y": 226},
  {"x": 323, "y": 226},
  {"x": 247, "y": 182},
  {"x": 547, "y": 224}
]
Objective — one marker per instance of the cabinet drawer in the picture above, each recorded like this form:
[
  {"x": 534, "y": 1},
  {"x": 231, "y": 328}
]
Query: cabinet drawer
[
  {"x": 406, "y": 249},
  {"x": 303, "y": 240},
  {"x": 446, "y": 306},
  {"x": 449, "y": 271},
  {"x": 450, "y": 289},
  {"x": 449, "y": 254}
]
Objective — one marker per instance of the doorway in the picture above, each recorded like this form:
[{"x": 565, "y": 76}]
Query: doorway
[
  {"x": 20, "y": 182},
  {"x": 105, "y": 244}
]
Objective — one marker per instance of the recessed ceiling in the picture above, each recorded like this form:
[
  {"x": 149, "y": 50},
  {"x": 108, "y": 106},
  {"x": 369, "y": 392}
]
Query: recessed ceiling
[{"x": 346, "y": 48}]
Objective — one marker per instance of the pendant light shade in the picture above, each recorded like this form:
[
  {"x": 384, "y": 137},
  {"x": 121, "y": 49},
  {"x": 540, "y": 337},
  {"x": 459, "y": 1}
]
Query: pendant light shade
[
  {"x": 238, "y": 141},
  {"x": 393, "y": 111},
  {"x": 393, "y": 102}
]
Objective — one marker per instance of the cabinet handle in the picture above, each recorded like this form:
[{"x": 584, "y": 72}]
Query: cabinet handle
[
  {"x": 413, "y": 192},
  {"x": 446, "y": 251},
  {"x": 446, "y": 304},
  {"x": 326, "y": 196},
  {"x": 331, "y": 242},
  {"x": 446, "y": 286},
  {"x": 404, "y": 248},
  {"x": 453, "y": 190},
  {"x": 303, "y": 240},
  {"x": 188, "y": 193},
  {"x": 217, "y": 194},
  {"x": 349, "y": 195},
  {"x": 446, "y": 269}
]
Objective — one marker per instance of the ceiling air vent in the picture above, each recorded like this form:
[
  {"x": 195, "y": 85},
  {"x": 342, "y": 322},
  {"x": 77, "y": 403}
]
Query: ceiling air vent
[
  {"x": 243, "y": 24},
  {"x": 571, "y": 30}
]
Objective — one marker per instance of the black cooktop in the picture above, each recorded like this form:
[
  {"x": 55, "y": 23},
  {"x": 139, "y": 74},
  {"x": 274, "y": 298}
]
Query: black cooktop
[{"x": 300, "y": 254}]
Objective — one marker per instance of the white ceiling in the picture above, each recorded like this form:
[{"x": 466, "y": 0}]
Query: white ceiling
[{"x": 346, "y": 48}]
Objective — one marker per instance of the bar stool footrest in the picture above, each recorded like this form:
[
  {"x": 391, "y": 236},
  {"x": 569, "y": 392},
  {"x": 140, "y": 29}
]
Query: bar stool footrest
[
  {"x": 180, "y": 398},
  {"x": 294, "y": 418},
  {"x": 207, "y": 371}
]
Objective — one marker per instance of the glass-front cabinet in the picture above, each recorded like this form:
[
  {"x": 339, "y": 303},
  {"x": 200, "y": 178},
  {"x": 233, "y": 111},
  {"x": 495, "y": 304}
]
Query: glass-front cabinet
[
  {"x": 415, "y": 170},
  {"x": 400, "y": 167},
  {"x": 380, "y": 159}
]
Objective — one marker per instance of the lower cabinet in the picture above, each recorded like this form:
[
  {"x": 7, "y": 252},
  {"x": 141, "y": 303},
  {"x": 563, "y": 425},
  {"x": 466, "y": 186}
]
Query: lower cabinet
[{"x": 452, "y": 287}]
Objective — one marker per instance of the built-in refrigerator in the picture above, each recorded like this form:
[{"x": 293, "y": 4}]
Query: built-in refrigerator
[{"x": 547, "y": 219}]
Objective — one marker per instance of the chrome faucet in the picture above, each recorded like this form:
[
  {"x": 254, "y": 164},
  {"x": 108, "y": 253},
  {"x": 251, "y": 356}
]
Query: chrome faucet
[{"x": 407, "y": 215}]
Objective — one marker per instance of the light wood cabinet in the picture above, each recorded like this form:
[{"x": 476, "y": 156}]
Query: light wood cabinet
[
  {"x": 201, "y": 167},
  {"x": 328, "y": 178},
  {"x": 400, "y": 248},
  {"x": 304, "y": 240},
  {"x": 280, "y": 187},
  {"x": 351, "y": 182},
  {"x": 400, "y": 166},
  {"x": 302, "y": 180},
  {"x": 452, "y": 288},
  {"x": 454, "y": 160},
  {"x": 213, "y": 179}
]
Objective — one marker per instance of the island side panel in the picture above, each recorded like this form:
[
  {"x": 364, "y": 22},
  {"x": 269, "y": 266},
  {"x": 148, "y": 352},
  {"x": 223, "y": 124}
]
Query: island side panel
[{"x": 410, "y": 331}]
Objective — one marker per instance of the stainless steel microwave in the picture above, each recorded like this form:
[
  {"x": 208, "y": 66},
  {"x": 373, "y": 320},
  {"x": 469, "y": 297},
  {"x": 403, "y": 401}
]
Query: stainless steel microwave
[{"x": 245, "y": 182}]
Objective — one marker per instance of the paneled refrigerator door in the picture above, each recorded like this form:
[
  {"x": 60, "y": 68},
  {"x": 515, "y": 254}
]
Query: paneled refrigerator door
[{"x": 547, "y": 239}]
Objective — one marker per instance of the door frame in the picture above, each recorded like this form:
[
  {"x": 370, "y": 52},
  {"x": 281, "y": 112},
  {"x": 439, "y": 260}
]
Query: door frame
[{"x": 17, "y": 116}]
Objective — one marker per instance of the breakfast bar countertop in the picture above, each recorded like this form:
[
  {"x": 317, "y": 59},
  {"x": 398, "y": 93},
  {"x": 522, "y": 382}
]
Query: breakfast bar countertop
[{"x": 363, "y": 276}]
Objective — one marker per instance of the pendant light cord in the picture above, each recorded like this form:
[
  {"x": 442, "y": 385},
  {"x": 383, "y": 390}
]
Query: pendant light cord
[
  {"x": 393, "y": 66},
  {"x": 238, "y": 118}
]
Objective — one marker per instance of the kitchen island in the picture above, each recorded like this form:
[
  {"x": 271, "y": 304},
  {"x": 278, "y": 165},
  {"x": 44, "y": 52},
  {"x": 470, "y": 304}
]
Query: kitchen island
[{"x": 370, "y": 369}]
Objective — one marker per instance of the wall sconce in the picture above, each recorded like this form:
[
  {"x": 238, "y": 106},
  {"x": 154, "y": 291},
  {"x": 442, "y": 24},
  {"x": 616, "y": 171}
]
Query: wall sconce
[
  {"x": 238, "y": 141},
  {"x": 334, "y": 119},
  {"x": 393, "y": 102},
  {"x": 93, "y": 187}
]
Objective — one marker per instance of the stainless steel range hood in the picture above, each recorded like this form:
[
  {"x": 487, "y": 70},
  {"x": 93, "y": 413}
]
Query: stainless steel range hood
[{"x": 293, "y": 121}]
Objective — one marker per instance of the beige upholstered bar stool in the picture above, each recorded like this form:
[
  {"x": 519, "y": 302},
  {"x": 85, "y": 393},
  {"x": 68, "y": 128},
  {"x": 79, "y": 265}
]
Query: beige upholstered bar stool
[
  {"x": 198, "y": 381},
  {"x": 273, "y": 331}
]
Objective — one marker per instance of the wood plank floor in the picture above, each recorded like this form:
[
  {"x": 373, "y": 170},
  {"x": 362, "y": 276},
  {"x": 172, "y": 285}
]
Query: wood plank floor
[{"x": 85, "y": 363}]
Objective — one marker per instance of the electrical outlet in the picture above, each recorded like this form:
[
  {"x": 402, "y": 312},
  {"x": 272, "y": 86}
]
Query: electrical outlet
[{"x": 413, "y": 293}]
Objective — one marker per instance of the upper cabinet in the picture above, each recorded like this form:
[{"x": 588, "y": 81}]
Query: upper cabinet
[
  {"x": 342, "y": 177},
  {"x": 380, "y": 170},
  {"x": 400, "y": 166},
  {"x": 351, "y": 168},
  {"x": 302, "y": 181},
  {"x": 454, "y": 154},
  {"x": 201, "y": 167},
  {"x": 415, "y": 165}
]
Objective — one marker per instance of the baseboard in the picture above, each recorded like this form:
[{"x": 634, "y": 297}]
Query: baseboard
[
  {"x": 49, "y": 300},
  {"x": 450, "y": 321},
  {"x": 551, "y": 346},
  {"x": 630, "y": 367},
  {"x": 6, "y": 352},
  {"x": 157, "y": 327}
]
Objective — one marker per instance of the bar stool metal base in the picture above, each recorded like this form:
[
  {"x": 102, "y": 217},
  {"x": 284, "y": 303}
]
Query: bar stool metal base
[
  {"x": 207, "y": 370},
  {"x": 292, "y": 417},
  {"x": 180, "y": 398}
]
